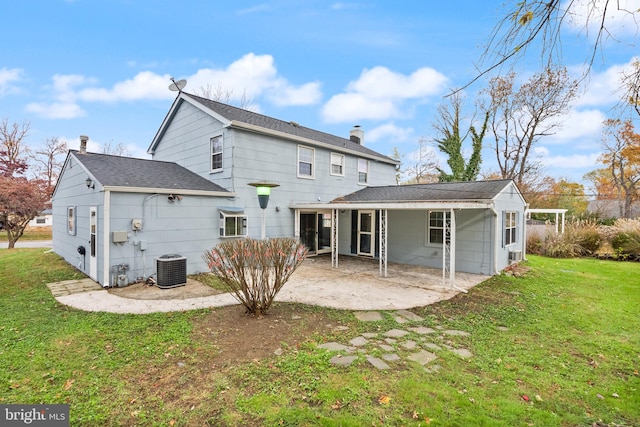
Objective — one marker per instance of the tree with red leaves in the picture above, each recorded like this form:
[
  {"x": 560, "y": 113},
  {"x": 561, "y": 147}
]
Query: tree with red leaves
[{"x": 21, "y": 199}]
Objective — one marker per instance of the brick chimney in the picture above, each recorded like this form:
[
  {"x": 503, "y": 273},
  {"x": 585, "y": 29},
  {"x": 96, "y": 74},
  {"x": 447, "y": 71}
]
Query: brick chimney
[
  {"x": 357, "y": 135},
  {"x": 83, "y": 144}
]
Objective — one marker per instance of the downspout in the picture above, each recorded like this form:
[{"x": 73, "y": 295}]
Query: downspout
[
  {"x": 106, "y": 220},
  {"x": 497, "y": 239},
  {"x": 524, "y": 238}
]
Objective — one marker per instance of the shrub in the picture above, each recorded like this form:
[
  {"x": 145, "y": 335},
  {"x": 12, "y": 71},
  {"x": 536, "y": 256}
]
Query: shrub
[
  {"x": 586, "y": 234},
  {"x": 562, "y": 246},
  {"x": 625, "y": 238},
  {"x": 535, "y": 245},
  {"x": 253, "y": 270}
]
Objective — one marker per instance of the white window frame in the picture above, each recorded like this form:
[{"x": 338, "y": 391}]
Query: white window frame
[
  {"x": 510, "y": 228},
  {"x": 224, "y": 216},
  {"x": 306, "y": 162},
  {"x": 337, "y": 160},
  {"x": 446, "y": 215},
  {"x": 364, "y": 170},
  {"x": 71, "y": 220},
  {"x": 215, "y": 153}
]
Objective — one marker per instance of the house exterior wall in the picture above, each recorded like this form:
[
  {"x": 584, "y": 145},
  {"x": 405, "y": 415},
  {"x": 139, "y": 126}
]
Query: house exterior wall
[
  {"x": 408, "y": 241},
  {"x": 509, "y": 200},
  {"x": 250, "y": 157},
  {"x": 72, "y": 191},
  {"x": 186, "y": 227}
]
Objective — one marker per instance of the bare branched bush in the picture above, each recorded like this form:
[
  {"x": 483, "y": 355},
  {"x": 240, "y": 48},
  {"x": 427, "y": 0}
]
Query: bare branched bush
[
  {"x": 625, "y": 239},
  {"x": 253, "y": 270}
]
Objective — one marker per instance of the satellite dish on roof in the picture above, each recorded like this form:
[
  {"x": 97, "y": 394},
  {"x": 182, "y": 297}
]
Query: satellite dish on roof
[{"x": 177, "y": 86}]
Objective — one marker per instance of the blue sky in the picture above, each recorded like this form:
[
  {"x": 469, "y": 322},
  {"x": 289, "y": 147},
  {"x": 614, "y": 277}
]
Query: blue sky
[{"x": 102, "y": 68}]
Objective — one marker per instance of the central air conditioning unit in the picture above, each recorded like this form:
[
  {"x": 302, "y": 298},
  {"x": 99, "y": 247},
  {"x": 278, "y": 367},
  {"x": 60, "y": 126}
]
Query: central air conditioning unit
[
  {"x": 515, "y": 256},
  {"x": 172, "y": 271}
]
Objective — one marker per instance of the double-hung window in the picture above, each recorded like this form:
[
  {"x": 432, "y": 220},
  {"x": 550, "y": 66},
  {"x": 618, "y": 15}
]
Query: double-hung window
[
  {"x": 216, "y": 153},
  {"x": 233, "y": 224},
  {"x": 306, "y": 156},
  {"x": 437, "y": 222},
  {"x": 363, "y": 171},
  {"x": 510, "y": 228},
  {"x": 337, "y": 164}
]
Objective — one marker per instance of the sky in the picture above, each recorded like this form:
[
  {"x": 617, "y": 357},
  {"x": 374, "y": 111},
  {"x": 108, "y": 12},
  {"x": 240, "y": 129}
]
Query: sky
[{"x": 102, "y": 68}]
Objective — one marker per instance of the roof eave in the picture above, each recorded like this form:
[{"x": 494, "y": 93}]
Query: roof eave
[
  {"x": 180, "y": 191},
  {"x": 408, "y": 205}
]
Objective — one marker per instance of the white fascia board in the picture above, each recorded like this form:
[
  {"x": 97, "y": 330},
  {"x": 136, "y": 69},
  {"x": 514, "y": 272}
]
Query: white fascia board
[
  {"x": 284, "y": 135},
  {"x": 179, "y": 191},
  {"x": 433, "y": 205},
  {"x": 547, "y": 210}
]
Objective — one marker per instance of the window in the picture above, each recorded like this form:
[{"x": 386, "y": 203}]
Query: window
[
  {"x": 216, "y": 153},
  {"x": 510, "y": 226},
  {"x": 41, "y": 220},
  {"x": 363, "y": 171},
  {"x": 233, "y": 224},
  {"x": 305, "y": 162},
  {"x": 71, "y": 220},
  {"x": 337, "y": 164},
  {"x": 436, "y": 226}
]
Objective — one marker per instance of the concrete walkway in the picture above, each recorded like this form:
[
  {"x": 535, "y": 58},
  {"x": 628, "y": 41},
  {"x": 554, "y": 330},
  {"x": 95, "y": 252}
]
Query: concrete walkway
[{"x": 356, "y": 285}]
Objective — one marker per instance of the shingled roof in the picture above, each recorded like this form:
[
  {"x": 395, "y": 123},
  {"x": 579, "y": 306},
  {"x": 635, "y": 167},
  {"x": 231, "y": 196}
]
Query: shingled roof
[
  {"x": 116, "y": 171},
  {"x": 441, "y": 191},
  {"x": 239, "y": 115}
]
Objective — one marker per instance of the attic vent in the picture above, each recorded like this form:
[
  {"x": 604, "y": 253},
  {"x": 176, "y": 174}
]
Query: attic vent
[
  {"x": 294, "y": 124},
  {"x": 172, "y": 271}
]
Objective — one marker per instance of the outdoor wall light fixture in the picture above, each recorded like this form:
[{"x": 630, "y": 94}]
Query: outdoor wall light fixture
[
  {"x": 263, "y": 189},
  {"x": 89, "y": 183}
]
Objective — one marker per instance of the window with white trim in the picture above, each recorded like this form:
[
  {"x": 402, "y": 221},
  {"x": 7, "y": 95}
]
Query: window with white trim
[
  {"x": 306, "y": 156},
  {"x": 71, "y": 220},
  {"x": 510, "y": 228},
  {"x": 436, "y": 226},
  {"x": 363, "y": 171},
  {"x": 216, "y": 153},
  {"x": 337, "y": 164},
  {"x": 233, "y": 224}
]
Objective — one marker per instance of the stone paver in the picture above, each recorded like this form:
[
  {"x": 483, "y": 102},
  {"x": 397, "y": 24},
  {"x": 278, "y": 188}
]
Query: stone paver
[
  {"x": 378, "y": 363},
  {"x": 453, "y": 332},
  {"x": 368, "y": 316},
  {"x": 71, "y": 287},
  {"x": 423, "y": 357},
  {"x": 400, "y": 319},
  {"x": 432, "y": 346},
  {"x": 370, "y": 335},
  {"x": 334, "y": 346},
  {"x": 385, "y": 347},
  {"x": 358, "y": 341},
  {"x": 395, "y": 333},
  {"x": 391, "y": 357},
  {"x": 409, "y": 345},
  {"x": 463, "y": 353},
  {"x": 409, "y": 315},
  {"x": 422, "y": 330},
  {"x": 342, "y": 360}
]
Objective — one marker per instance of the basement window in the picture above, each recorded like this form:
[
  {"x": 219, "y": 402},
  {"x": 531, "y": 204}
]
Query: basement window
[{"x": 233, "y": 224}]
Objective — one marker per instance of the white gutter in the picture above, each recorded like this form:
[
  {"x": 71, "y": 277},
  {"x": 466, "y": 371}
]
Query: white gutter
[
  {"x": 399, "y": 205},
  {"x": 106, "y": 220},
  {"x": 179, "y": 191},
  {"x": 284, "y": 135}
]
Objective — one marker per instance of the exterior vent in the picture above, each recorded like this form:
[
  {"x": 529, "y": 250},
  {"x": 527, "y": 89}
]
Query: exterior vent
[
  {"x": 172, "y": 271},
  {"x": 515, "y": 256}
]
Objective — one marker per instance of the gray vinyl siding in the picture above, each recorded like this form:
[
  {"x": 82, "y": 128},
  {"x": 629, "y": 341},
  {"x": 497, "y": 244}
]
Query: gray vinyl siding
[
  {"x": 187, "y": 227},
  {"x": 509, "y": 200},
  {"x": 407, "y": 240},
  {"x": 72, "y": 191},
  {"x": 250, "y": 157}
]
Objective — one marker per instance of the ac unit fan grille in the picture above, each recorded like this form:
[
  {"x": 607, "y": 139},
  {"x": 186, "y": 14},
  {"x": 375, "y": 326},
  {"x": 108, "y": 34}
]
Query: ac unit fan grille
[{"x": 172, "y": 271}]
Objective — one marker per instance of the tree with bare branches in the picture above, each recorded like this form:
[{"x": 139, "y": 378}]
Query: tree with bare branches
[
  {"x": 220, "y": 94},
  {"x": 13, "y": 151},
  {"x": 520, "y": 116},
  {"x": 422, "y": 166},
  {"x": 538, "y": 24},
  {"x": 48, "y": 160}
]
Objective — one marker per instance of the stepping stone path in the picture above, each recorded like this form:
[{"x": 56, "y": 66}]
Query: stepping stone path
[{"x": 395, "y": 344}]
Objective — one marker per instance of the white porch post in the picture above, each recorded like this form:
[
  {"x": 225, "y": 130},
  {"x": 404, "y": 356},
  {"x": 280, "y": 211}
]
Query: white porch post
[
  {"x": 383, "y": 241},
  {"x": 452, "y": 255},
  {"x": 334, "y": 238}
]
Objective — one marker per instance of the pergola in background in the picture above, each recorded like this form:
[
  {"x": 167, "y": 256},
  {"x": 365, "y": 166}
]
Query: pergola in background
[{"x": 557, "y": 212}]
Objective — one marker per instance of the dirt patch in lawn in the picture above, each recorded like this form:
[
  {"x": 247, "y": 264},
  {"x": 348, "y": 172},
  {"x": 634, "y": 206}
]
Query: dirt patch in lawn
[{"x": 239, "y": 337}]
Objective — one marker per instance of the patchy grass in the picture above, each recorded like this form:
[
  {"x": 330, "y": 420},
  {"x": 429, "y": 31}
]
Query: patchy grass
[
  {"x": 557, "y": 347},
  {"x": 42, "y": 233}
]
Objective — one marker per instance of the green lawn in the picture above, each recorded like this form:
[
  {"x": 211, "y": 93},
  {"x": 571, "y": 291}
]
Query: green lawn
[
  {"x": 557, "y": 347},
  {"x": 32, "y": 234}
]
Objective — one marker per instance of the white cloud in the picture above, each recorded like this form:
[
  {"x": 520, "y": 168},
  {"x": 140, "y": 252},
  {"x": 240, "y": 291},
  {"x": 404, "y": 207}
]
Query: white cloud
[
  {"x": 144, "y": 85},
  {"x": 389, "y": 133},
  {"x": 287, "y": 95},
  {"x": 567, "y": 161},
  {"x": 8, "y": 76},
  {"x": 56, "y": 110},
  {"x": 603, "y": 89},
  {"x": 380, "y": 93},
  {"x": 255, "y": 9},
  {"x": 586, "y": 15},
  {"x": 578, "y": 125}
]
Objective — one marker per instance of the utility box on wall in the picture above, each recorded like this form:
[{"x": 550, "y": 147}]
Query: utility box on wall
[{"x": 120, "y": 237}]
